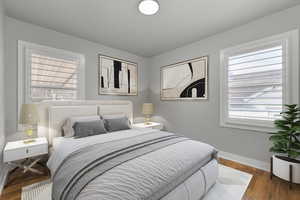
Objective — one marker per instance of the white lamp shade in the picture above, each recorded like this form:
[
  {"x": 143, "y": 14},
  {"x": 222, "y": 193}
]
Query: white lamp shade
[
  {"x": 29, "y": 114},
  {"x": 148, "y": 108}
]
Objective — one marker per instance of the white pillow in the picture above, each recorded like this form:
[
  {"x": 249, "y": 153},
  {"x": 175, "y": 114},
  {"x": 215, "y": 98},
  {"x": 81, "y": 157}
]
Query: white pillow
[
  {"x": 113, "y": 116},
  {"x": 69, "y": 123}
]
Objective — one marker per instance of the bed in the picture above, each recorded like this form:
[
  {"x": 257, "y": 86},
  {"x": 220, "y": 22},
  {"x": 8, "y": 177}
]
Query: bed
[{"x": 138, "y": 163}]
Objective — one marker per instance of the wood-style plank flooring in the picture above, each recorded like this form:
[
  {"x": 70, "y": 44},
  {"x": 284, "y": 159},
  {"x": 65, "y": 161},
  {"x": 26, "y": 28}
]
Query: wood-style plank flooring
[
  {"x": 17, "y": 180},
  {"x": 260, "y": 188}
]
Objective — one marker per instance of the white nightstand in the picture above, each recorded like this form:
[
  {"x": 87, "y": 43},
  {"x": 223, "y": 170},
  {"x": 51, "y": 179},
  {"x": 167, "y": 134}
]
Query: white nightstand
[
  {"x": 153, "y": 125},
  {"x": 18, "y": 150}
]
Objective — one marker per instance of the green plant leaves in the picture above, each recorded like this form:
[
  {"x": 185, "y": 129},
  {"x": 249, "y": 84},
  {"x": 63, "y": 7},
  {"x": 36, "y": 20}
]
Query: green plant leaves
[
  {"x": 286, "y": 140},
  {"x": 277, "y": 150},
  {"x": 293, "y": 154}
]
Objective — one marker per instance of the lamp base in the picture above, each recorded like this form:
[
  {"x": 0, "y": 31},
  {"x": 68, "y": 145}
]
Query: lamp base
[
  {"x": 29, "y": 141},
  {"x": 147, "y": 120},
  {"x": 29, "y": 133}
]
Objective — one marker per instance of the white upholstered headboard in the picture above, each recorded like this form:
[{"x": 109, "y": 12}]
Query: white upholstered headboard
[{"x": 53, "y": 114}]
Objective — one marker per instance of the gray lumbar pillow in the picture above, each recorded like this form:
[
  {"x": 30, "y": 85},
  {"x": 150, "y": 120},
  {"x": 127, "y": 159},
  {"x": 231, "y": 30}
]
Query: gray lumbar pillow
[
  {"x": 67, "y": 128},
  {"x": 117, "y": 124},
  {"x": 89, "y": 128}
]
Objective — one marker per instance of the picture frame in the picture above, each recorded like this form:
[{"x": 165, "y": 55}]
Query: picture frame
[
  {"x": 117, "y": 76},
  {"x": 186, "y": 80}
]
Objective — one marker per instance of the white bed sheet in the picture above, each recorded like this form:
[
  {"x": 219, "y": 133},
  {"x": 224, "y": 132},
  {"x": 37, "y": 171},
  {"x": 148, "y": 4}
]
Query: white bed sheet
[
  {"x": 62, "y": 147},
  {"x": 191, "y": 189},
  {"x": 141, "y": 177}
]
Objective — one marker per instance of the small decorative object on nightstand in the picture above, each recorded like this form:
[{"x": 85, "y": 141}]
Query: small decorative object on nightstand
[
  {"x": 153, "y": 125},
  {"x": 18, "y": 150},
  {"x": 148, "y": 109},
  {"x": 29, "y": 118}
]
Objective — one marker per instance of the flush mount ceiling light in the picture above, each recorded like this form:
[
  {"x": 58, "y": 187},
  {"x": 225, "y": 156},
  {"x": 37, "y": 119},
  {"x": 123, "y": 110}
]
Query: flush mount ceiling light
[{"x": 149, "y": 7}]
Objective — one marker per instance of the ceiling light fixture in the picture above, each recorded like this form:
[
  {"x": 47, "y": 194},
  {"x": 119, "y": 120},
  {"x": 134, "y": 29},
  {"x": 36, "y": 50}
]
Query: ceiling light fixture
[{"x": 149, "y": 7}]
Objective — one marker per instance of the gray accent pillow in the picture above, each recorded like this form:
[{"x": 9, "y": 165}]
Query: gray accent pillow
[
  {"x": 117, "y": 124},
  {"x": 67, "y": 128},
  {"x": 89, "y": 128}
]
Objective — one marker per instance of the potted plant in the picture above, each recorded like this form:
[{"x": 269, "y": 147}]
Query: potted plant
[{"x": 286, "y": 143}]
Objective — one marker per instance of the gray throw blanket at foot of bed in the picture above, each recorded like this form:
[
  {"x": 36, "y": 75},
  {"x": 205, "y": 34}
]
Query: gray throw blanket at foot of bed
[{"x": 86, "y": 164}]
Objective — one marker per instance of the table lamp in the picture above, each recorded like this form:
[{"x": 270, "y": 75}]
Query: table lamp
[
  {"x": 148, "y": 109},
  {"x": 29, "y": 118}
]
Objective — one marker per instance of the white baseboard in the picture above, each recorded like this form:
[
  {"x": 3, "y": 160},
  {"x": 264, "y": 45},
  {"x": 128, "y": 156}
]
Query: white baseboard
[
  {"x": 246, "y": 161},
  {"x": 3, "y": 175}
]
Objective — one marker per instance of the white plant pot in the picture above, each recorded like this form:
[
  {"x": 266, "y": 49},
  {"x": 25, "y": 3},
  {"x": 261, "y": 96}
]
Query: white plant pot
[{"x": 281, "y": 169}]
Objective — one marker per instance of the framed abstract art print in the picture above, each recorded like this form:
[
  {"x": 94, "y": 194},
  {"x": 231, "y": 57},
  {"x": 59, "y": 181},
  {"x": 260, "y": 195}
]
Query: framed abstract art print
[
  {"x": 117, "y": 76},
  {"x": 185, "y": 80}
]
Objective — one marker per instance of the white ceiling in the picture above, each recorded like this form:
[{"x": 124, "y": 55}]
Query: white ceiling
[{"x": 117, "y": 23}]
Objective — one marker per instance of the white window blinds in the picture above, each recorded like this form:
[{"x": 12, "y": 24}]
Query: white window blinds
[
  {"x": 47, "y": 73},
  {"x": 53, "y": 78},
  {"x": 255, "y": 84},
  {"x": 257, "y": 79}
]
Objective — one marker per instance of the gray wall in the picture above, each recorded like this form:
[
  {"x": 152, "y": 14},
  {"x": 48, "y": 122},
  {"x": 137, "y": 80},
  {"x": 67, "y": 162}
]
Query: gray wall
[
  {"x": 17, "y": 30},
  {"x": 2, "y": 133},
  {"x": 200, "y": 120}
]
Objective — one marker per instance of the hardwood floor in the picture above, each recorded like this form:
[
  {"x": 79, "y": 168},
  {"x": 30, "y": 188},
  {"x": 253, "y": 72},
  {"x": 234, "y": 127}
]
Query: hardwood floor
[
  {"x": 260, "y": 188},
  {"x": 17, "y": 180}
]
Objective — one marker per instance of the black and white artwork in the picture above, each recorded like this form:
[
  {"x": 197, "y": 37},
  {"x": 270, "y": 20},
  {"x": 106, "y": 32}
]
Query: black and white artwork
[
  {"x": 117, "y": 77},
  {"x": 185, "y": 81}
]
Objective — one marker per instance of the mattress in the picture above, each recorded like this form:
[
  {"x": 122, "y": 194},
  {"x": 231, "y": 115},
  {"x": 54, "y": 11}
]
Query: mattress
[{"x": 122, "y": 182}]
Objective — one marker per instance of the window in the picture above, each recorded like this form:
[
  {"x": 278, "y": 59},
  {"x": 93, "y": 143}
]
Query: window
[
  {"x": 53, "y": 78},
  {"x": 47, "y": 73},
  {"x": 257, "y": 79}
]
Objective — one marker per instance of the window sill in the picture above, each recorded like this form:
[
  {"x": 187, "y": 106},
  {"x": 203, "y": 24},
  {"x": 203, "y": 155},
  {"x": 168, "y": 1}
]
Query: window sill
[{"x": 249, "y": 127}]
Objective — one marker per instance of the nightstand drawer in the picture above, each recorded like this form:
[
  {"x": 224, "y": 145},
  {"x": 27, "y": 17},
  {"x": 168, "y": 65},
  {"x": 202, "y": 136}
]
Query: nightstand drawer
[
  {"x": 21, "y": 153},
  {"x": 152, "y": 125}
]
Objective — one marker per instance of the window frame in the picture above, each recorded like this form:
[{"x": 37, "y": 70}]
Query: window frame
[
  {"x": 290, "y": 84},
  {"x": 24, "y": 67}
]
